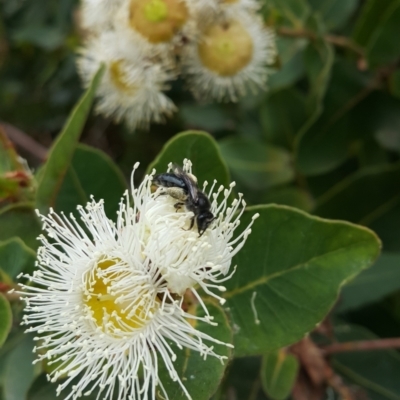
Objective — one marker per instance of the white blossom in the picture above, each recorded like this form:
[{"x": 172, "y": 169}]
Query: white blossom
[
  {"x": 132, "y": 86},
  {"x": 106, "y": 298},
  {"x": 249, "y": 36}
]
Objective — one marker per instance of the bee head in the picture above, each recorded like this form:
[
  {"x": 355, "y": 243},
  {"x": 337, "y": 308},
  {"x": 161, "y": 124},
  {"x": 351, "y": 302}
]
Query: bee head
[{"x": 204, "y": 220}]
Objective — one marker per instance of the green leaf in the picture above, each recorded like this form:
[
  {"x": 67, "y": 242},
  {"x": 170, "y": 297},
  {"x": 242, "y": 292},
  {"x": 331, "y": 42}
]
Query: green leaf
[
  {"x": 5, "y": 319},
  {"x": 376, "y": 371},
  {"x": 383, "y": 47},
  {"x": 318, "y": 60},
  {"x": 210, "y": 117},
  {"x": 394, "y": 84},
  {"x": 19, "y": 371},
  {"x": 200, "y": 377},
  {"x": 371, "y": 14},
  {"x": 282, "y": 115},
  {"x": 62, "y": 151},
  {"x": 278, "y": 374},
  {"x": 372, "y": 284},
  {"x": 385, "y": 120},
  {"x": 289, "y": 196},
  {"x": 8, "y": 188},
  {"x": 257, "y": 165},
  {"x": 15, "y": 180},
  {"x": 16, "y": 257},
  {"x": 20, "y": 220},
  {"x": 242, "y": 381},
  {"x": 381, "y": 212},
  {"x": 201, "y": 149},
  {"x": 45, "y": 37},
  {"x": 42, "y": 389},
  {"x": 370, "y": 153},
  {"x": 91, "y": 172},
  {"x": 289, "y": 275},
  {"x": 291, "y": 63},
  {"x": 334, "y": 13},
  {"x": 290, "y": 12},
  {"x": 9, "y": 160},
  {"x": 325, "y": 143}
]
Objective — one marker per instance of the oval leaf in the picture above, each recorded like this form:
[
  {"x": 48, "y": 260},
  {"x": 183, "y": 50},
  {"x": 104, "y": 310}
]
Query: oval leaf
[
  {"x": 92, "y": 172},
  {"x": 256, "y": 165},
  {"x": 289, "y": 196},
  {"x": 289, "y": 275},
  {"x": 201, "y": 149}
]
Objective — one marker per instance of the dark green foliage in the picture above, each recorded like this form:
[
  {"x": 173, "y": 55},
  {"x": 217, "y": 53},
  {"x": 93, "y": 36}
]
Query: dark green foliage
[{"x": 325, "y": 139}]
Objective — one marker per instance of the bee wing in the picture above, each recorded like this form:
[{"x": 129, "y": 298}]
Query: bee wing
[{"x": 189, "y": 181}]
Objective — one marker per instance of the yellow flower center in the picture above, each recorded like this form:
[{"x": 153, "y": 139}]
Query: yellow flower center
[
  {"x": 226, "y": 48},
  {"x": 111, "y": 307},
  {"x": 156, "y": 11},
  {"x": 157, "y": 20},
  {"x": 118, "y": 77}
]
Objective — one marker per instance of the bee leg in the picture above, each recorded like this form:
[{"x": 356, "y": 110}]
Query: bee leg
[
  {"x": 178, "y": 206},
  {"x": 160, "y": 194},
  {"x": 191, "y": 224}
]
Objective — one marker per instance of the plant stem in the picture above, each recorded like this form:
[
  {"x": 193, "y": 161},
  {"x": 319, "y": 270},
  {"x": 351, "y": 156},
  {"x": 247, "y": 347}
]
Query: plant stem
[
  {"x": 363, "y": 345},
  {"x": 339, "y": 41},
  {"x": 24, "y": 141}
]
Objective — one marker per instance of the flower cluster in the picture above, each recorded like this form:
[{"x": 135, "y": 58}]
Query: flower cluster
[
  {"x": 107, "y": 300},
  {"x": 220, "y": 47}
]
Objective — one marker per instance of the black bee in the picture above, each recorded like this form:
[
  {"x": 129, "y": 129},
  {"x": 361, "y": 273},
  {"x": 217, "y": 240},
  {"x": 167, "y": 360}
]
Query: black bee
[{"x": 183, "y": 187}]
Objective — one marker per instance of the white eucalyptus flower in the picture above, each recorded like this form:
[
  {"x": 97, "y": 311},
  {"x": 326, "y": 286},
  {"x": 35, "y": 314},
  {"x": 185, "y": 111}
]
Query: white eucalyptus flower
[
  {"x": 105, "y": 298},
  {"x": 132, "y": 86},
  {"x": 99, "y": 15},
  {"x": 230, "y": 57},
  {"x": 157, "y": 26}
]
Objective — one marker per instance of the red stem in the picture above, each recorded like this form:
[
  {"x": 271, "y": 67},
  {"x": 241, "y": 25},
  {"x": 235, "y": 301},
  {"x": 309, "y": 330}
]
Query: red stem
[{"x": 363, "y": 345}]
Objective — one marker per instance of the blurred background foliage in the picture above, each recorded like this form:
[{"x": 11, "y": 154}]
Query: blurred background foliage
[{"x": 325, "y": 138}]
